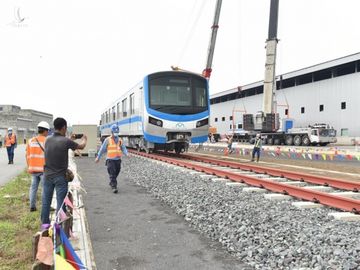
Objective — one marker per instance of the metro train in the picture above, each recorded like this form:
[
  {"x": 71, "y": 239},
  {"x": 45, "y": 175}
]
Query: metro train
[{"x": 165, "y": 111}]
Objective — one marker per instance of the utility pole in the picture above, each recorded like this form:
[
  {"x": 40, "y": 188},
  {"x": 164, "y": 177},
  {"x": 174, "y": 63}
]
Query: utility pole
[
  {"x": 271, "y": 44},
  {"x": 207, "y": 71}
]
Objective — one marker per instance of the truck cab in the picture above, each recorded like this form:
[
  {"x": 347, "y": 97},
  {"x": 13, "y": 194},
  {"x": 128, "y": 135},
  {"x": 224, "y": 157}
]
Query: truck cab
[{"x": 322, "y": 134}]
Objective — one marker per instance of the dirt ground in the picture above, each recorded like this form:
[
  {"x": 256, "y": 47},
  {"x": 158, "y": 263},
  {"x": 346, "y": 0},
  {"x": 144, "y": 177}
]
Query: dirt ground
[{"x": 345, "y": 170}]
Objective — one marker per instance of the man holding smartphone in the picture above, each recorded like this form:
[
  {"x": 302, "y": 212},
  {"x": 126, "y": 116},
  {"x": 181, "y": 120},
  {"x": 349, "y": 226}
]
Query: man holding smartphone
[
  {"x": 115, "y": 148},
  {"x": 56, "y": 164}
]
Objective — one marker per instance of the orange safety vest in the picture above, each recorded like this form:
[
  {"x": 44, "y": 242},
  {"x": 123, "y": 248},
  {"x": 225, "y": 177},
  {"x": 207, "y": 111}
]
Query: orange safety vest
[
  {"x": 11, "y": 140},
  {"x": 35, "y": 155},
  {"x": 113, "y": 149}
]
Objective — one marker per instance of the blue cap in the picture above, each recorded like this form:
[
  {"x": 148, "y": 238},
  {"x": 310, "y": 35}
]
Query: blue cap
[{"x": 115, "y": 129}]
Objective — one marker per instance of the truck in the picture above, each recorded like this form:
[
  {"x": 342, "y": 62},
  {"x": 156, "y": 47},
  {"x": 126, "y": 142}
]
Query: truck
[{"x": 316, "y": 134}]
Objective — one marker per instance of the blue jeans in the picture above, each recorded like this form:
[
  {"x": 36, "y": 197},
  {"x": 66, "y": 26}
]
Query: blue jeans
[
  {"x": 35, "y": 181},
  {"x": 256, "y": 151},
  {"x": 60, "y": 185},
  {"x": 10, "y": 152}
]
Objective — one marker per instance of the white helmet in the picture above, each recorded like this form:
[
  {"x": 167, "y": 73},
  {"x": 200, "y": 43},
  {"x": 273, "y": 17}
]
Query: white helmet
[
  {"x": 44, "y": 125},
  {"x": 258, "y": 135},
  {"x": 9, "y": 129}
]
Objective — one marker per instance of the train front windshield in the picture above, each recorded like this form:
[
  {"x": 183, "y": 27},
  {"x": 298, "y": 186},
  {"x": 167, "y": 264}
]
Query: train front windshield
[{"x": 178, "y": 94}]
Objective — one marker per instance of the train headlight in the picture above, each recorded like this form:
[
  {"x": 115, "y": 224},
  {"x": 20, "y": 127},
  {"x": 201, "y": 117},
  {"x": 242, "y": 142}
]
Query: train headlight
[
  {"x": 202, "y": 122},
  {"x": 155, "y": 121}
]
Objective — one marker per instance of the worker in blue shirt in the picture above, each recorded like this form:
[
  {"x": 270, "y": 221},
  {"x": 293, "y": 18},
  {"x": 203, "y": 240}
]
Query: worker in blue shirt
[
  {"x": 114, "y": 147},
  {"x": 257, "y": 148}
]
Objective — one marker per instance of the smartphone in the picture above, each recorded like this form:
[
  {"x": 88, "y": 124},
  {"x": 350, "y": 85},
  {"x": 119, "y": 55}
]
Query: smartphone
[{"x": 78, "y": 136}]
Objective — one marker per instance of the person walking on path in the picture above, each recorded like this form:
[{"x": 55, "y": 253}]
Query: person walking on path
[
  {"x": 10, "y": 144},
  {"x": 35, "y": 159},
  {"x": 114, "y": 147},
  {"x": 56, "y": 164},
  {"x": 257, "y": 148}
]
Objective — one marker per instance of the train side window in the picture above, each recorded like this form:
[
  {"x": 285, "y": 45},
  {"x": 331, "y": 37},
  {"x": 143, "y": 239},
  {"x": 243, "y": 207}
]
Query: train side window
[
  {"x": 216, "y": 119},
  {"x": 223, "y": 118},
  {"x": 314, "y": 132},
  {"x": 230, "y": 118},
  {"x": 239, "y": 126},
  {"x": 343, "y": 105},
  {"x": 118, "y": 110},
  {"x": 124, "y": 107},
  {"x": 302, "y": 109},
  {"x": 321, "y": 107},
  {"x": 113, "y": 113},
  {"x": 132, "y": 104}
]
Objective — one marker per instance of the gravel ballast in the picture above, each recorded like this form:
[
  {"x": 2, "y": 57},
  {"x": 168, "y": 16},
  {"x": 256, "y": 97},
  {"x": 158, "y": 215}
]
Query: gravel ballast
[{"x": 262, "y": 233}]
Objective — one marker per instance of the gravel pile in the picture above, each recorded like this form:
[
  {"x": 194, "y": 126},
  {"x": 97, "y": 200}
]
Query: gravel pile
[{"x": 264, "y": 234}]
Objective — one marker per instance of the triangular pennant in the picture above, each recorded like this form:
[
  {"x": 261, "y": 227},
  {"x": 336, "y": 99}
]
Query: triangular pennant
[
  {"x": 309, "y": 156},
  {"x": 61, "y": 263},
  {"x": 324, "y": 156},
  {"x": 71, "y": 256},
  {"x": 68, "y": 202},
  {"x": 62, "y": 215}
]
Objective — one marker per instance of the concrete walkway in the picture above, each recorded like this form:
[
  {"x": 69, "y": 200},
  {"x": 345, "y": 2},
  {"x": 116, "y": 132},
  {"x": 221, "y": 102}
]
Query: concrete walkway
[
  {"x": 8, "y": 172},
  {"x": 132, "y": 230}
]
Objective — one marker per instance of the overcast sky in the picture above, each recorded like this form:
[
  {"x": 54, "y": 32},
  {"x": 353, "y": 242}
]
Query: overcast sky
[{"x": 72, "y": 58}]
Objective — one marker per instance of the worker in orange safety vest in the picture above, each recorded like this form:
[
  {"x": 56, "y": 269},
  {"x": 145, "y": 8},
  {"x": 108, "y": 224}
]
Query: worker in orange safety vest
[
  {"x": 10, "y": 144},
  {"x": 35, "y": 158},
  {"x": 114, "y": 147}
]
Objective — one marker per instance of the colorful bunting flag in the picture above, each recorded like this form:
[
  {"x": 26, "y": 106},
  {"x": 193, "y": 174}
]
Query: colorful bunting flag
[
  {"x": 61, "y": 263},
  {"x": 70, "y": 254},
  {"x": 68, "y": 202},
  {"x": 62, "y": 215}
]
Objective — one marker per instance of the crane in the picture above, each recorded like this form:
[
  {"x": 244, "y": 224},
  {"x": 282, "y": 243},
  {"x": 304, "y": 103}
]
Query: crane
[
  {"x": 207, "y": 71},
  {"x": 271, "y": 44}
]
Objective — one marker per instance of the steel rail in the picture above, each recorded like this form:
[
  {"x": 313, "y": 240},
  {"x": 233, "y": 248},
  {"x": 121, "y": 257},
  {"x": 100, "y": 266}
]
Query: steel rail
[
  {"x": 335, "y": 201},
  {"x": 314, "y": 179}
]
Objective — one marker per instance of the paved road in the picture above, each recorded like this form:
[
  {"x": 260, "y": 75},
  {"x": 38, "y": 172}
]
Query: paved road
[
  {"x": 132, "y": 230},
  {"x": 8, "y": 172}
]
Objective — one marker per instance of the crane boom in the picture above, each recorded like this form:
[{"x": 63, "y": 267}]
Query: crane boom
[
  {"x": 271, "y": 44},
  {"x": 207, "y": 71}
]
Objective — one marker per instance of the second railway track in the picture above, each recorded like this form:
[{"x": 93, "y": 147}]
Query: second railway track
[{"x": 299, "y": 185}]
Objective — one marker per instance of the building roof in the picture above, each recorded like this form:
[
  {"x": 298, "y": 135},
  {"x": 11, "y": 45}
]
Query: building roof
[{"x": 297, "y": 73}]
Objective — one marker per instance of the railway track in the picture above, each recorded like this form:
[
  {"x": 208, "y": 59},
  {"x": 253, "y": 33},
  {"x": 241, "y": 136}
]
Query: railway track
[{"x": 299, "y": 185}]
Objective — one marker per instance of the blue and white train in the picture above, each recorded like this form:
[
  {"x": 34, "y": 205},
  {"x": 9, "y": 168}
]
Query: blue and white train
[{"x": 165, "y": 111}]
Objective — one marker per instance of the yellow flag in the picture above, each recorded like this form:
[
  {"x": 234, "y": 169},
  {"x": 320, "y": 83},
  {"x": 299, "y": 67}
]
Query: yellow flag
[{"x": 61, "y": 263}]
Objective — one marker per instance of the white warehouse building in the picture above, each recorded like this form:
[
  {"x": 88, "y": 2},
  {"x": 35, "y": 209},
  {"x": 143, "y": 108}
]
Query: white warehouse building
[{"x": 325, "y": 93}]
